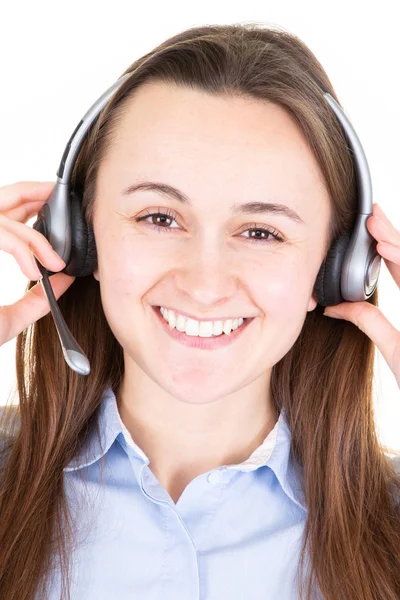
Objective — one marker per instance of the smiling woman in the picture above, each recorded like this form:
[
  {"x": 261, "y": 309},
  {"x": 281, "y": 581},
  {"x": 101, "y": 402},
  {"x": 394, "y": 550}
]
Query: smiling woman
[{"x": 192, "y": 448}]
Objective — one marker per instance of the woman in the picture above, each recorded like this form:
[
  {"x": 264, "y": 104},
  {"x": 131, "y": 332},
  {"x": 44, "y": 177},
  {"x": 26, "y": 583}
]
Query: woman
[{"x": 241, "y": 465}]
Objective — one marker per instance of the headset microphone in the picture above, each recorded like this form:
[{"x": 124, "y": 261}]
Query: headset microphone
[{"x": 62, "y": 223}]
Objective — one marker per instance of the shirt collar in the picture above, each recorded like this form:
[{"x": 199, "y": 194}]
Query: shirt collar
[{"x": 274, "y": 451}]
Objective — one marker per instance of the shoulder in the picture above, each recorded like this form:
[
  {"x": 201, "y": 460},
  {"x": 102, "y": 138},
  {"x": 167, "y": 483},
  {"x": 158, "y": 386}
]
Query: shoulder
[
  {"x": 9, "y": 424},
  {"x": 395, "y": 462}
]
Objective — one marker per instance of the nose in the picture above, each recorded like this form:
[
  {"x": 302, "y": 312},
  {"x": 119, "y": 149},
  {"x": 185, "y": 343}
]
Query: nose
[{"x": 207, "y": 275}]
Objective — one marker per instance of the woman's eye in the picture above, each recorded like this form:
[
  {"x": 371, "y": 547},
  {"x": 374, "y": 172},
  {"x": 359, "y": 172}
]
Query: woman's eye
[
  {"x": 168, "y": 216},
  {"x": 163, "y": 219}
]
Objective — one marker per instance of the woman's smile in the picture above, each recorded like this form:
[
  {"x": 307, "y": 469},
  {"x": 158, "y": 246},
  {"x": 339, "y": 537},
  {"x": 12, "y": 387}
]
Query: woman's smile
[{"x": 204, "y": 343}]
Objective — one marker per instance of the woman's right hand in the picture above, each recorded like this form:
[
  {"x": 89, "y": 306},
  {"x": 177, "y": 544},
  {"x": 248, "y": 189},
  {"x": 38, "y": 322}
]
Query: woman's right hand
[{"x": 19, "y": 202}]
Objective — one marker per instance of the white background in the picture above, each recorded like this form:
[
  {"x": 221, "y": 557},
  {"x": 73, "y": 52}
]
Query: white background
[{"x": 57, "y": 58}]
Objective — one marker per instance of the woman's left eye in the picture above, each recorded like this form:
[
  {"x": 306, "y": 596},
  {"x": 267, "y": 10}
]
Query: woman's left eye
[{"x": 169, "y": 215}]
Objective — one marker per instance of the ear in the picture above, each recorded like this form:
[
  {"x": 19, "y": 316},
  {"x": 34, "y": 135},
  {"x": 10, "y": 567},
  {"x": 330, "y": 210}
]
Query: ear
[
  {"x": 312, "y": 303},
  {"x": 96, "y": 274}
]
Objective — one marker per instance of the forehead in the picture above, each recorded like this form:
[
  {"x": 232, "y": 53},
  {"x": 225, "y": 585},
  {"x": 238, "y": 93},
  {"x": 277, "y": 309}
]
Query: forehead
[
  {"x": 193, "y": 139},
  {"x": 192, "y": 118}
]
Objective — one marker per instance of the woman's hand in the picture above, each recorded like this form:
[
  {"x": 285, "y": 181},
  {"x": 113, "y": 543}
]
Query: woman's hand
[
  {"x": 19, "y": 202},
  {"x": 366, "y": 316}
]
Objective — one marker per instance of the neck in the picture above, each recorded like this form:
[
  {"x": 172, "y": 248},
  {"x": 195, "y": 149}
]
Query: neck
[{"x": 184, "y": 440}]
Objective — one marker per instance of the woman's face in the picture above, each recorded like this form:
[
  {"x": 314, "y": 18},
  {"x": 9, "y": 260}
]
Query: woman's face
[{"x": 202, "y": 260}]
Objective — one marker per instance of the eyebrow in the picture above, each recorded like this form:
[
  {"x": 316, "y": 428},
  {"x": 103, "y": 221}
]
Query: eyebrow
[{"x": 237, "y": 209}]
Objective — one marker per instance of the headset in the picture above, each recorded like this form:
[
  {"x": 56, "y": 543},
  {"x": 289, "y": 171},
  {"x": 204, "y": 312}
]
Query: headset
[{"x": 349, "y": 271}]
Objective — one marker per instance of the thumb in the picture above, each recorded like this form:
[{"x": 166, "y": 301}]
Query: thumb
[{"x": 370, "y": 319}]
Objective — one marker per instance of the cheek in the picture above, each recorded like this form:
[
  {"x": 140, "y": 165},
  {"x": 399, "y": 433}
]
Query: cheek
[
  {"x": 126, "y": 285},
  {"x": 282, "y": 294},
  {"x": 129, "y": 267},
  {"x": 281, "y": 286},
  {"x": 129, "y": 274}
]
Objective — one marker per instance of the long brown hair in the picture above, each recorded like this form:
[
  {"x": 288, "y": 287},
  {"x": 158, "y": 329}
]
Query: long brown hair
[{"x": 351, "y": 539}]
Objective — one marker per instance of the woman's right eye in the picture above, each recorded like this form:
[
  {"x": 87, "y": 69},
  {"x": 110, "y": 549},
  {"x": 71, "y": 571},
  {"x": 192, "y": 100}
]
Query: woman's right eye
[{"x": 157, "y": 214}]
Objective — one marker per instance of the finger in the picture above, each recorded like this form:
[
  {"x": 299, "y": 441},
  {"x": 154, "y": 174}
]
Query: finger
[
  {"x": 43, "y": 250},
  {"x": 24, "y": 212},
  {"x": 16, "y": 198},
  {"x": 370, "y": 319},
  {"x": 388, "y": 245},
  {"x": 379, "y": 212},
  {"x": 384, "y": 231},
  {"x": 19, "y": 244},
  {"x": 34, "y": 305},
  {"x": 391, "y": 256},
  {"x": 15, "y": 193}
]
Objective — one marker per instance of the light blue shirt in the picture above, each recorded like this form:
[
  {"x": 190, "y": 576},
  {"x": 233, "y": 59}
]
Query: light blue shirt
[{"x": 235, "y": 532}]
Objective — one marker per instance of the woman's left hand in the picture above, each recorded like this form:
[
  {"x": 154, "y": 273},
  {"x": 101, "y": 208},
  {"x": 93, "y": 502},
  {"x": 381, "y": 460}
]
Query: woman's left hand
[{"x": 366, "y": 316}]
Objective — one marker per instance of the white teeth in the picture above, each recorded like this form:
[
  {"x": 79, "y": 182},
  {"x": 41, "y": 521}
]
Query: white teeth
[
  {"x": 199, "y": 328},
  {"x": 228, "y": 326}
]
